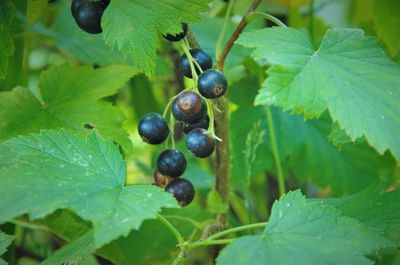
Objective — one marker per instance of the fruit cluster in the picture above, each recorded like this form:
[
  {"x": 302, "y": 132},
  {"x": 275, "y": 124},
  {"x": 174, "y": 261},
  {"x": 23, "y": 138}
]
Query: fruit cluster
[
  {"x": 88, "y": 13},
  {"x": 192, "y": 109}
]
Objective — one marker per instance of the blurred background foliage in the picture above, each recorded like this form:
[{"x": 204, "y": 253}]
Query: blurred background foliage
[{"x": 48, "y": 36}]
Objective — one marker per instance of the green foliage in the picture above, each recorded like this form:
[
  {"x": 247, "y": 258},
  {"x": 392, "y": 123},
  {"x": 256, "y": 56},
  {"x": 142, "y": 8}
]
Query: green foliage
[
  {"x": 69, "y": 98},
  {"x": 35, "y": 9},
  {"x": 133, "y": 26},
  {"x": 215, "y": 203},
  {"x": 85, "y": 175},
  {"x": 375, "y": 208},
  {"x": 66, "y": 35},
  {"x": 340, "y": 76},
  {"x": 305, "y": 232},
  {"x": 387, "y": 25},
  {"x": 7, "y": 12},
  {"x": 5, "y": 241},
  {"x": 304, "y": 148},
  {"x": 73, "y": 168}
]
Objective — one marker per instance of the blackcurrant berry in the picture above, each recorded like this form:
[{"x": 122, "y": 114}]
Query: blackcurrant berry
[
  {"x": 74, "y": 6},
  {"x": 189, "y": 107},
  {"x": 106, "y": 2},
  {"x": 203, "y": 123},
  {"x": 201, "y": 57},
  {"x": 212, "y": 84},
  {"x": 159, "y": 179},
  {"x": 200, "y": 143},
  {"x": 153, "y": 128},
  {"x": 88, "y": 16},
  {"x": 178, "y": 36},
  {"x": 182, "y": 190},
  {"x": 171, "y": 163}
]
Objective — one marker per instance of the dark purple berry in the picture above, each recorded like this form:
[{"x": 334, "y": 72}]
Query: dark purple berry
[
  {"x": 203, "y": 123},
  {"x": 178, "y": 36},
  {"x": 201, "y": 57},
  {"x": 74, "y": 6},
  {"x": 106, "y": 2},
  {"x": 200, "y": 143},
  {"x": 153, "y": 128},
  {"x": 171, "y": 163},
  {"x": 189, "y": 107},
  {"x": 88, "y": 16},
  {"x": 182, "y": 190},
  {"x": 212, "y": 84}
]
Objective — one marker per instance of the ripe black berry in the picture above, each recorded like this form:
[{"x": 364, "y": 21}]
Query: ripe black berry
[
  {"x": 189, "y": 107},
  {"x": 106, "y": 2},
  {"x": 212, "y": 84},
  {"x": 74, "y": 6},
  {"x": 203, "y": 123},
  {"x": 159, "y": 179},
  {"x": 153, "y": 128},
  {"x": 200, "y": 143},
  {"x": 88, "y": 16},
  {"x": 201, "y": 57},
  {"x": 178, "y": 36},
  {"x": 171, "y": 163},
  {"x": 182, "y": 190}
]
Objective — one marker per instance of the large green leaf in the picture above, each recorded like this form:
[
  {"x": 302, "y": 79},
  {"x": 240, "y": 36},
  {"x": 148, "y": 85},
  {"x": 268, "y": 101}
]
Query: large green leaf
[
  {"x": 7, "y": 12},
  {"x": 69, "y": 98},
  {"x": 151, "y": 235},
  {"x": 5, "y": 241},
  {"x": 74, "y": 251},
  {"x": 375, "y": 208},
  {"x": 303, "y": 146},
  {"x": 305, "y": 232},
  {"x": 132, "y": 26},
  {"x": 56, "y": 169},
  {"x": 387, "y": 23},
  {"x": 349, "y": 74}
]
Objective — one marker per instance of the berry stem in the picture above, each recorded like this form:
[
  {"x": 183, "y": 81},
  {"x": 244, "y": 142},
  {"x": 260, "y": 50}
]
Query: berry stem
[
  {"x": 222, "y": 120},
  {"x": 275, "y": 151},
  {"x": 172, "y": 130},
  {"x": 223, "y": 30},
  {"x": 228, "y": 46},
  {"x": 183, "y": 218},
  {"x": 206, "y": 243},
  {"x": 250, "y": 17},
  {"x": 211, "y": 128},
  {"x": 175, "y": 232},
  {"x": 236, "y": 229},
  {"x": 191, "y": 62}
]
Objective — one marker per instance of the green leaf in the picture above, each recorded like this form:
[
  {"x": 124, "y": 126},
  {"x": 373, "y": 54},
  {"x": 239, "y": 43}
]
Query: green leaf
[
  {"x": 375, "y": 208},
  {"x": 305, "y": 232},
  {"x": 338, "y": 137},
  {"x": 56, "y": 169},
  {"x": 35, "y": 9},
  {"x": 349, "y": 75},
  {"x": 69, "y": 98},
  {"x": 74, "y": 251},
  {"x": 132, "y": 26},
  {"x": 5, "y": 241},
  {"x": 215, "y": 204},
  {"x": 303, "y": 146},
  {"x": 7, "y": 12},
  {"x": 387, "y": 23}
]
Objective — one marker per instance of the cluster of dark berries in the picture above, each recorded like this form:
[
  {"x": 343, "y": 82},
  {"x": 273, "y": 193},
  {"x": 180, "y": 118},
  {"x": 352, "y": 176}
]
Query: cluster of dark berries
[
  {"x": 88, "y": 13},
  {"x": 189, "y": 108}
]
